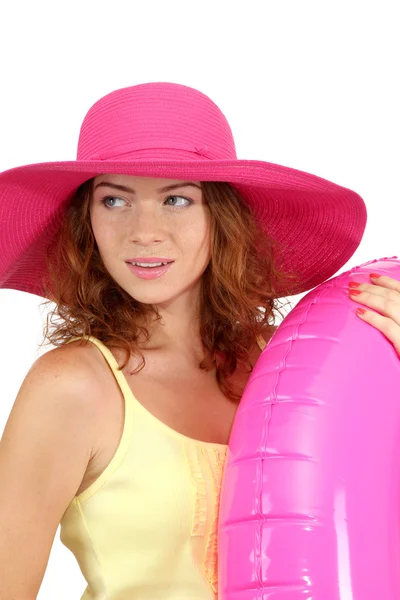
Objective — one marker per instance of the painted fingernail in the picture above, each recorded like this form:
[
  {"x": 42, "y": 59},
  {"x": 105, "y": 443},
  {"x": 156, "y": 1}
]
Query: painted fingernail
[
  {"x": 354, "y": 284},
  {"x": 355, "y": 292},
  {"x": 374, "y": 275},
  {"x": 360, "y": 311}
]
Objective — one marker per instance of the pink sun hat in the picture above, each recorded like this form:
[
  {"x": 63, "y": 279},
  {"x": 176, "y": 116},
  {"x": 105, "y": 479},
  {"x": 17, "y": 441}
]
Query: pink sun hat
[{"x": 173, "y": 131}]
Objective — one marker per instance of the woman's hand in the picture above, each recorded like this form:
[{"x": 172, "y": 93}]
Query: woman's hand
[{"x": 383, "y": 295}]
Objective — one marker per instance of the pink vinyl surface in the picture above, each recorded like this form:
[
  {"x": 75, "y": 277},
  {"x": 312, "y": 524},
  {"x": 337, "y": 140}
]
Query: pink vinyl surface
[{"x": 310, "y": 500}]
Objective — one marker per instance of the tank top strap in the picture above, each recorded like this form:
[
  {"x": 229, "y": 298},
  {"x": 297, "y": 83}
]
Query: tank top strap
[{"x": 108, "y": 355}]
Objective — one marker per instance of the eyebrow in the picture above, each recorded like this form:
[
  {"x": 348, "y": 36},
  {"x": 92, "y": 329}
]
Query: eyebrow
[{"x": 124, "y": 188}]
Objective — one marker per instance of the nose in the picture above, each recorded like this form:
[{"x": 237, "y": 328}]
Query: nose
[{"x": 147, "y": 227}]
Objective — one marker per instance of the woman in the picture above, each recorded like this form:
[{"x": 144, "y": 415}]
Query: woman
[{"x": 165, "y": 256}]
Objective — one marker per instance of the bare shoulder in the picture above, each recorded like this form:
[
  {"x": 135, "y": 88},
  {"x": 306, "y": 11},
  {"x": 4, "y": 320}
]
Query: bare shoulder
[
  {"x": 59, "y": 384},
  {"x": 64, "y": 383},
  {"x": 69, "y": 370},
  {"x": 70, "y": 360}
]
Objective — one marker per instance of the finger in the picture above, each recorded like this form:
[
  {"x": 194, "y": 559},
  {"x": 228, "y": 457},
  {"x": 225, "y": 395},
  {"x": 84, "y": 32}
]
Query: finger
[
  {"x": 376, "y": 289},
  {"x": 385, "y": 281},
  {"x": 384, "y": 324},
  {"x": 385, "y": 305}
]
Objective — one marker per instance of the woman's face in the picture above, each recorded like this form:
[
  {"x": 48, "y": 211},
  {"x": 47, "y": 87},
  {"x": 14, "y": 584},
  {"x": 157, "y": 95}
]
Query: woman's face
[{"x": 137, "y": 218}]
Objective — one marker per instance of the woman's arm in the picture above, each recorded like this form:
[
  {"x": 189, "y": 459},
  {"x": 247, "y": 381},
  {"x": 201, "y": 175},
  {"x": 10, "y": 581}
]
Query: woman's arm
[{"x": 44, "y": 452}]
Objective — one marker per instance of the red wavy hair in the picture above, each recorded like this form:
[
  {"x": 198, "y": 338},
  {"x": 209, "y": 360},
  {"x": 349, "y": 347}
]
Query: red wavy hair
[{"x": 238, "y": 299}]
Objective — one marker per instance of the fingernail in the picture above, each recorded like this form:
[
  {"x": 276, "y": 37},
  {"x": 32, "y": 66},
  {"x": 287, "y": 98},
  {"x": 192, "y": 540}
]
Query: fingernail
[
  {"x": 355, "y": 292},
  {"x": 354, "y": 284},
  {"x": 374, "y": 275},
  {"x": 360, "y": 311}
]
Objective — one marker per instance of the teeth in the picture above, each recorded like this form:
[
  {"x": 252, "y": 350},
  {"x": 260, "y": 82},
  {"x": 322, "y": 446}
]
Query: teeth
[{"x": 148, "y": 264}]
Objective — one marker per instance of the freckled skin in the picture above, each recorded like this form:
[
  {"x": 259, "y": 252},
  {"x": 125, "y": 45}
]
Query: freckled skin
[{"x": 150, "y": 223}]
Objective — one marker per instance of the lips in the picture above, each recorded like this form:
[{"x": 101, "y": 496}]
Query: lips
[
  {"x": 148, "y": 265},
  {"x": 154, "y": 259},
  {"x": 149, "y": 272}
]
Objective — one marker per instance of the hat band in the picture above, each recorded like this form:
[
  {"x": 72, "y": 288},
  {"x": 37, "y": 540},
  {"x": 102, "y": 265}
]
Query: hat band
[{"x": 158, "y": 150}]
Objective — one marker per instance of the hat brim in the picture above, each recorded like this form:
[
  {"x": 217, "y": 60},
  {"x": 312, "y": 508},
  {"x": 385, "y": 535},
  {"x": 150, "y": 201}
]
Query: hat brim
[{"x": 319, "y": 224}]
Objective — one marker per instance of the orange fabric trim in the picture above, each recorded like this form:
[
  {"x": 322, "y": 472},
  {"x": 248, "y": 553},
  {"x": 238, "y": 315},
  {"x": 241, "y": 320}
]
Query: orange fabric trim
[
  {"x": 199, "y": 518},
  {"x": 215, "y": 458}
]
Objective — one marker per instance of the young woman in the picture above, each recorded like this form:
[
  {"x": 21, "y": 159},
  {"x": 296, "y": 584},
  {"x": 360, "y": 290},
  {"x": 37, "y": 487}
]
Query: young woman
[{"x": 165, "y": 257}]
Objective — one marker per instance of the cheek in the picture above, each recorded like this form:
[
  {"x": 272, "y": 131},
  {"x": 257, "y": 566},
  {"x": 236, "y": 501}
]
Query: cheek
[
  {"x": 198, "y": 241},
  {"x": 97, "y": 226},
  {"x": 104, "y": 230}
]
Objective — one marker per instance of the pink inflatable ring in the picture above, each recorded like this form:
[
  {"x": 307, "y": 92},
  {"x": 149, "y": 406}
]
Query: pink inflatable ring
[{"x": 310, "y": 500}]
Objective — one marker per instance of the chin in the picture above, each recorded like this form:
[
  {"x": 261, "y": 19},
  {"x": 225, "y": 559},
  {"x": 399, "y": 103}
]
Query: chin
[
  {"x": 156, "y": 299},
  {"x": 153, "y": 296},
  {"x": 159, "y": 292},
  {"x": 163, "y": 297}
]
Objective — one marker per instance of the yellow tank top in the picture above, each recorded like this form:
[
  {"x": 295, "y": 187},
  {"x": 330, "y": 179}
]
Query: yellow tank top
[{"x": 146, "y": 529}]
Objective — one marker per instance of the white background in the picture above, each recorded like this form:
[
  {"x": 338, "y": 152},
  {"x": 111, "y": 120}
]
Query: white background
[{"x": 305, "y": 83}]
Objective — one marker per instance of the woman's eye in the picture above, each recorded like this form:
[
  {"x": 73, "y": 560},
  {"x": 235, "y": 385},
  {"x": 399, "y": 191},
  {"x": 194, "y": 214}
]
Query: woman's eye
[
  {"x": 181, "y": 205},
  {"x": 105, "y": 200},
  {"x": 177, "y": 201}
]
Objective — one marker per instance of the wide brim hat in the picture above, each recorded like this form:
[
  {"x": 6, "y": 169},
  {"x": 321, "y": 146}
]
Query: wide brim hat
[{"x": 173, "y": 131}]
